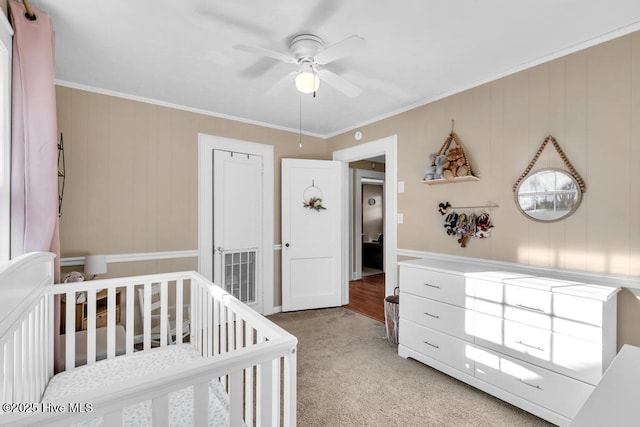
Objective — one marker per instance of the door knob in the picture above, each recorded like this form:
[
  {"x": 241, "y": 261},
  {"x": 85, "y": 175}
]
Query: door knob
[
  {"x": 286, "y": 245},
  {"x": 219, "y": 249}
]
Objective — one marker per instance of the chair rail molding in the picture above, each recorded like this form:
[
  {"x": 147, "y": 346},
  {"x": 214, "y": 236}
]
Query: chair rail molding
[{"x": 134, "y": 257}]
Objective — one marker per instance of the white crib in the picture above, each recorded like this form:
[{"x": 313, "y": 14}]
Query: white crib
[{"x": 251, "y": 359}]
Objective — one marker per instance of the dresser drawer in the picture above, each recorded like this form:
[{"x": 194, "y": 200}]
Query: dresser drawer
[
  {"x": 551, "y": 390},
  {"x": 533, "y": 300},
  {"x": 442, "y": 347},
  {"x": 443, "y": 287},
  {"x": 560, "y": 353},
  {"x": 443, "y": 317},
  {"x": 488, "y": 289}
]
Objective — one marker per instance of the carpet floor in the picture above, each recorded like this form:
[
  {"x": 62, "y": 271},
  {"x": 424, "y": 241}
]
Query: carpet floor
[{"x": 350, "y": 375}]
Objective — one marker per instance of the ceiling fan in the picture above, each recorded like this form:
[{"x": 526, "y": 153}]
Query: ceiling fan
[{"x": 308, "y": 53}]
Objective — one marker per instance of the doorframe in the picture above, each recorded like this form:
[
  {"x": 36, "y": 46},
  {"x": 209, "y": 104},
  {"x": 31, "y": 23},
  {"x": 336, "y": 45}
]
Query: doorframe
[
  {"x": 388, "y": 147},
  {"x": 206, "y": 145},
  {"x": 356, "y": 219}
]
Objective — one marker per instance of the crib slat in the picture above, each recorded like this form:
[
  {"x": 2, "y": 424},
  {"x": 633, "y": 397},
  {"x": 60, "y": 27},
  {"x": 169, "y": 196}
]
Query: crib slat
[
  {"x": 290, "y": 384},
  {"x": 130, "y": 301},
  {"x": 216, "y": 325},
  {"x": 111, "y": 322},
  {"x": 164, "y": 315},
  {"x": 223, "y": 328},
  {"x": 19, "y": 366},
  {"x": 235, "y": 398},
  {"x": 196, "y": 329},
  {"x": 201, "y": 404},
  {"x": 51, "y": 332},
  {"x": 238, "y": 335},
  {"x": 209, "y": 315},
  {"x": 147, "y": 316},
  {"x": 70, "y": 331},
  {"x": 248, "y": 380},
  {"x": 160, "y": 411},
  {"x": 179, "y": 311},
  {"x": 30, "y": 356},
  {"x": 3, "y": 373},
  {"x": 91, "y": 326},
  {"x": 37, "y": 352},
  {"x": 44, "y": 342},
  {"x": 275, "y": 391},
  {"x": 265, "y": 398},
  {"x": 9, "y": 370},
  {"x": 194, "y": 314}
]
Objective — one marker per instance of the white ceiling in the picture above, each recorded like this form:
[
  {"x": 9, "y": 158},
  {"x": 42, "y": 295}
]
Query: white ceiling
[{"x": 179, "y": 52}]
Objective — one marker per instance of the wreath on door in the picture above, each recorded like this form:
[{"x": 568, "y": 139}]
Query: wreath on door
[{"x": 312, "y": 198}]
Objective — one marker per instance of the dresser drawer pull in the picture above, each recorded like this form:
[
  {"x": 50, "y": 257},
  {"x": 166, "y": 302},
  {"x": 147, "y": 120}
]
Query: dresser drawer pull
[
  {"x": 530, "y": 385},
  {"x": 432, "y": 286},
  {"x": 435, "y": 316},
  {"x": 432, "y": 345},
  {"x": 539, "y": 310},
  {"x": 529, "y": 345}
]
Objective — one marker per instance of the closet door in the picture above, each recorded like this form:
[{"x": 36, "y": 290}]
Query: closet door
[{"x": 237, "y": 225}]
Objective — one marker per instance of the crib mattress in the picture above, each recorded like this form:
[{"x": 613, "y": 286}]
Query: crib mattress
[{"x": 139, "y": 365}]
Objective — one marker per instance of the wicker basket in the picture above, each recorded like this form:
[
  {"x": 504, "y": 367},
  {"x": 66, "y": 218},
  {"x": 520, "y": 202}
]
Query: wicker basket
[{"x": 391, "y": 316}]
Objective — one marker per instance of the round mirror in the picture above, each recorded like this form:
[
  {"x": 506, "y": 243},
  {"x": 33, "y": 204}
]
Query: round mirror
[{"x": 548, "y": 195}]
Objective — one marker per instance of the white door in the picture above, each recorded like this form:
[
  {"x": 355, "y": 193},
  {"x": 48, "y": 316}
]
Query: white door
[
  {"x": 311, "y": 234},
  {"x": 237, "y": 225}
]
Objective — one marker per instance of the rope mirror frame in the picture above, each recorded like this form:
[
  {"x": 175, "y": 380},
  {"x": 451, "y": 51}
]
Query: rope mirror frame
[{"x": 571, "y": 173}]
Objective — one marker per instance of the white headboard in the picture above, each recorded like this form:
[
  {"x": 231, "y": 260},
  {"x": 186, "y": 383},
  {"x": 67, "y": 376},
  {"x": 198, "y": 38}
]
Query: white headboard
[{"x": 22, "y": 281}]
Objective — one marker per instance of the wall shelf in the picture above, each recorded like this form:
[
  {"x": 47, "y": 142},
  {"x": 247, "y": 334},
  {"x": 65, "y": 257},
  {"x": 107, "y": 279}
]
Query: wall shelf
[{"x": 449, "y": 181}]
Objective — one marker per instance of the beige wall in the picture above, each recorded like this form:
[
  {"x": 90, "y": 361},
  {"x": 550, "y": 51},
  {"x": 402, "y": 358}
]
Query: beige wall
[
  {"x": 132, "y": 168},
  {"x": 132, "y": 175},
  {"x": 590, "y": 101}
]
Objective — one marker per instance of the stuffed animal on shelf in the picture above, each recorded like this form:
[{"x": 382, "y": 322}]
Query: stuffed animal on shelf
[
  {"x": 436, "y": 168},
  {"x": 430, "y": 171},
  {"x": 440, "y": 161}
]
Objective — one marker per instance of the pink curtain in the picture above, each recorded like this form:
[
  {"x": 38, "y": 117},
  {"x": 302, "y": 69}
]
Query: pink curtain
[
  {"x": 34, "y": 143},
  {"x": 34, "y": 148}
]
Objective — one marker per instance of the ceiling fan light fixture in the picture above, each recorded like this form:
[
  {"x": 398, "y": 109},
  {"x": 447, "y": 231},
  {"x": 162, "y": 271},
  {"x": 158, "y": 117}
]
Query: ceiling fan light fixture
[{"x": 307, "y": 82}]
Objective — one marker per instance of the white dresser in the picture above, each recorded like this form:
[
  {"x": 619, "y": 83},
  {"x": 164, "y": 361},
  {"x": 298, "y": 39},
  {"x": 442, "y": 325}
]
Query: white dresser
[{"x": 540, "y": 343}]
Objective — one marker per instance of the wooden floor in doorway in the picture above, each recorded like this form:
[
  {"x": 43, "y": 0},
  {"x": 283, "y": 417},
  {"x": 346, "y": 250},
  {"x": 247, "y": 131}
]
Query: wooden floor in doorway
[{"x": 366, "y": 296}]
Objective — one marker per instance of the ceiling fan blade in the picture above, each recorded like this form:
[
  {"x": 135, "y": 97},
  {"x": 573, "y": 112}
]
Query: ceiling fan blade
[
  {"x": 260, "y": 67},
  {"x": 265, "y": 52},
  {"x": 339, "y": 83},
  {"x": 321, "y": 14},
  {"x": 208, "y": 12},
  {"x": 340, "y": 49},
  {"x": 281, "y": 84}
]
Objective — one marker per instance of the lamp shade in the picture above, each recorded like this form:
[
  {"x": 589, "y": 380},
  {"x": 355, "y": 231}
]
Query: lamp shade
[
  {"x": 307, "y": 82},
  {"x": 95, "y": 264}
]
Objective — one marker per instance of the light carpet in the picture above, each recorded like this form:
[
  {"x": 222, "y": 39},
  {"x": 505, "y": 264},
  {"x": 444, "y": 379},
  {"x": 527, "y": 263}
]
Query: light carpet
[{"x": 350, "y": 375}]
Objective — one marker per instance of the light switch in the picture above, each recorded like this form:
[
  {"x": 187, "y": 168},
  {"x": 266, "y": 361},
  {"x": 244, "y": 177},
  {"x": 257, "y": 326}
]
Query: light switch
[
  {"x": 400, "y": 218},
  {"x": 400, "y": 186}
]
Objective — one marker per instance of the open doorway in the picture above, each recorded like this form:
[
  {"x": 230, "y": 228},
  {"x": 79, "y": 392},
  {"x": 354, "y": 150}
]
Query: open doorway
[
  {"x": 367, "y": 284},
  {"x": 367, "y": 219},
  {"x": 388, "y": 148}
]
